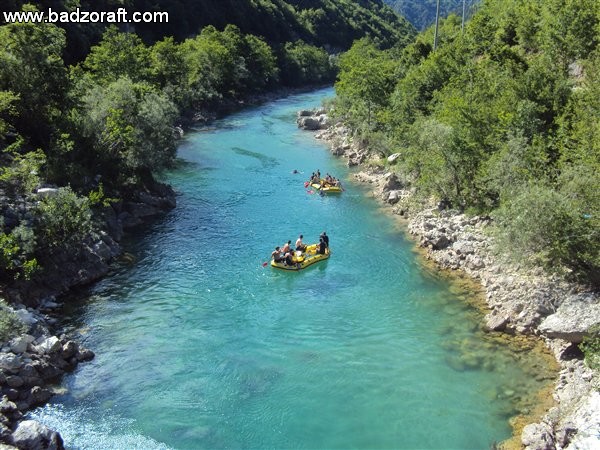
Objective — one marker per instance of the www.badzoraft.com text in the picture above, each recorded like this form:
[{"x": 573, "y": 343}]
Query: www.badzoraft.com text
[{"x": 121, "y": 15}]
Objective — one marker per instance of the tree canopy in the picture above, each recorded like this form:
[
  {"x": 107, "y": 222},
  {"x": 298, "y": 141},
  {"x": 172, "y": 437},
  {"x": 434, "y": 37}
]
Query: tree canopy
[{"x": 501, "y": 119}]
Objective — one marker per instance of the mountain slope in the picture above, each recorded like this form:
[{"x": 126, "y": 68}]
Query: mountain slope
[
  {"x": 421, "y": 13},
  {"x": 325, "y": 23}
]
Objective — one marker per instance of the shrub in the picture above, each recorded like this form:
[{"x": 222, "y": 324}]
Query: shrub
[
  {"x": 63, "y": 219},
  {"x": 591, "y": 347},
  {"x": 548, "y": 227},
  {"x": 10, "y": 325},
  {"x": 22, "y": 176},
  {"x": 16, "y": 253}
]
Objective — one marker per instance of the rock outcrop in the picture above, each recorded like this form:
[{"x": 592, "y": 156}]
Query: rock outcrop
[
  {"x": 312, "y": 120},
  {"x": 30, "y": 365}
]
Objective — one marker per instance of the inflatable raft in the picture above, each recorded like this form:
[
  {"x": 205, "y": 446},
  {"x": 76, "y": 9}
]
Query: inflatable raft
[
  {"x": 303, "y": 259},
  {"x": 326, "y": 188}
]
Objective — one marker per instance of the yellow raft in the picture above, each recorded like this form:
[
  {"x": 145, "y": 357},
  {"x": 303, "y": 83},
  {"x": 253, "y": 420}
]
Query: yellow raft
[
  {"x": 303, "y": 259},
  {"x": 326, "y": 187}
]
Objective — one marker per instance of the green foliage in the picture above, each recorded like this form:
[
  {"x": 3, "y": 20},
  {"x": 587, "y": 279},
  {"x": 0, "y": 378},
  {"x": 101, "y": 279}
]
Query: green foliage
[
  {"x": 31, "y": 67},
  {"x": 118, "y": 55},
  {"x": 224, "y": 64},
  {"x": 63, "y": 219},
  {"x": 305, "y": 64},
  {"x": 591, "y": 347},
  {"x": 10, "y": 325},
  {"x": 99, "y": 198},
  {"x": 7, "y": 110},
  {"x": 128, "y": 127},
  {"x": 332, "y": 23},
  {"x": 421, "y": 13},
  {"x": 22, "y": 175},
  {"x": 366, "y": 80},
  {"x": 17, "y": 250},
  {"x": 544, "y": 226}
]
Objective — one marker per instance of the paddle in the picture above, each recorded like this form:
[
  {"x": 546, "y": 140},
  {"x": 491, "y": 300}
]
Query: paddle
[{"x": 306, "y": 183}]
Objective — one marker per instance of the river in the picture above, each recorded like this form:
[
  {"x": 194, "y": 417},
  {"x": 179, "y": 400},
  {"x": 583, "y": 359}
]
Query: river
[{"x": 198, "y": 346}]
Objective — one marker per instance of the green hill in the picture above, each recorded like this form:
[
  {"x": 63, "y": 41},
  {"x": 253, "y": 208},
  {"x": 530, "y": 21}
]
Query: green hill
[{"x": 334, "y": 24}]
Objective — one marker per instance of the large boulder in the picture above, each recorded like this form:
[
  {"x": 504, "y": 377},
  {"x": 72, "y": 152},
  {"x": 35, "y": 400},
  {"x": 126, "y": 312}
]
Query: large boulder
[
  {"x": 50, "y": 345},
  {"x": 496, "y": 322},
  {"x": 47, "y": 192},
  {"x": 392, "y": 158},
  {"x": 573, "y": 318},
  {"x": 393, "y": 197},
  {"x": 10, "y": 362},
  {"x": 537, "y": 436},
  {"x": 391, "y": 182},
  {"x": 585, "y": 429},
  {"x": 26, "y": 317},
  {"x": 20, "y": 344},
  {"x": 32, "y": 435},
  {"x": 309, "y": 123}
]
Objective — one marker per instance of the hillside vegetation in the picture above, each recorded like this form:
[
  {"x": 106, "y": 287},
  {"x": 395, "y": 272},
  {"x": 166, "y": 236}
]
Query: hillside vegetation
[
  {"x": 101, "y": 129},
  {"x": 334, "y": 24},
  {"x": 502, "y": 120}
]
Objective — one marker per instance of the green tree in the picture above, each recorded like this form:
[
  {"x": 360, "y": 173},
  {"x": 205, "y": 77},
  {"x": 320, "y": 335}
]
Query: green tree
[
  {"x": 129, "y": 127},
  {"x": 31, "y": 67},
  {"x": 118, "y": 55},
  {"x": 366, "y": 80},
  {"x": 302, "y": 64}
]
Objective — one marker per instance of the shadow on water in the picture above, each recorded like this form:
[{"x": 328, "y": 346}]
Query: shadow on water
[{"x": 267, "y": 162}]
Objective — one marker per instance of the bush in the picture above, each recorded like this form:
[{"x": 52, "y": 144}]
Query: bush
[
  {"x": 63, "y": 219},
  {"x": 22, "y": 176},
  {"x": 591, "y": 347},
  {"x": 16, "y": 253},
  {"x": 544, "y": 226},
  {"x": 10, "y": 325}
]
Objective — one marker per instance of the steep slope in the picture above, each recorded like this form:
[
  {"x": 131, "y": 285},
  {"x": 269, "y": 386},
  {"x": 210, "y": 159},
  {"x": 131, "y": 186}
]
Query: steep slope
[{"x": 334, "y": 24}]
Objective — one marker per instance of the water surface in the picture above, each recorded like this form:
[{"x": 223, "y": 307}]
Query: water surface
[{"x": 199, "y": 346}]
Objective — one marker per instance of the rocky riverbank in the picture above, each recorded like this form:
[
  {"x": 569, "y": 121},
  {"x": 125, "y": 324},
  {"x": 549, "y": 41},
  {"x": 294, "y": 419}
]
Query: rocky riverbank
[
  {"x": 30, "y": 366},
  {"x": 33, "y": 362},
  {"x": 520, "y": 300}
]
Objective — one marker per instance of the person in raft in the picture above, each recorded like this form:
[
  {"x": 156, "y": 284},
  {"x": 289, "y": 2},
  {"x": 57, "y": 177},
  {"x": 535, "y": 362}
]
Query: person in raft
[
  {"x": 299, "y": 245},
  {"x": 325, "y": 238},
  {"x": 289, "y": 258},
  {"x": 276, "y": 255},
  {"x": 321, "y": 246},
  {"x": 286, "y": 247}
]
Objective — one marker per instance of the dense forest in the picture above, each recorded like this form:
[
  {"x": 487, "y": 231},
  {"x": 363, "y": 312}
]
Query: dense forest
[
  {"x": 503, "y": 119},
  {"x": 100, "y": 128},
  {"x": 324, "y": 23}
]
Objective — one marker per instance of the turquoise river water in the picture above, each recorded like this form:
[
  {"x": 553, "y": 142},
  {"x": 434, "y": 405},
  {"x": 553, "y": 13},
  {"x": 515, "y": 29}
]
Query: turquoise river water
[{"x": 198, "y": 346}]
